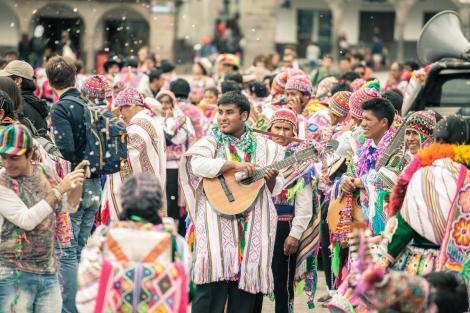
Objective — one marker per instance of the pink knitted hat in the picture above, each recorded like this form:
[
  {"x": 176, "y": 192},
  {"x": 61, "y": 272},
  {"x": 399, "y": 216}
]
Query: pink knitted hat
[
  {"x": 325, "y": 85},
  {"x": 129, "y": 97},
  {"x": 358, "y": 98},
  {"x": 279, "y": 82},
  {"x": 96, "y": 86},
  {"x": 300, "y": 83}
]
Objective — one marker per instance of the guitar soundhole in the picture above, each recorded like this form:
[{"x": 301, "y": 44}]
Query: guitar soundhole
[{"x": 246, "y": 182}]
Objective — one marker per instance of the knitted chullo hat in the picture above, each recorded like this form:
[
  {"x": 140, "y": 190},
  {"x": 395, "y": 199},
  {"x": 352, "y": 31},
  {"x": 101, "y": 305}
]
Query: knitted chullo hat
[
  {"x": 357, "y": 84},
  {"x": 300, "y": 83},
  {"x": 279, "y": 83},
  {"x": 129, "y": 97},
  {"x": 423, "y": 122},
  {"x": 97, "y": 87},
  {"x": 285, "y": 115},
  {"x": 325, "y": 86},
  {"x": 339, "y": 103},
  {"x": 358, "y": 98},
  {"x": 15, "y": 140}
]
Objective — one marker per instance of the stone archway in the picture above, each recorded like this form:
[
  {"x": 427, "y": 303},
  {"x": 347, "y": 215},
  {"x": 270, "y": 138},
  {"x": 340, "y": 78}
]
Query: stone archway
[
  {"x": 122, "y": 31},
  {"x": 57, "y": 18}
]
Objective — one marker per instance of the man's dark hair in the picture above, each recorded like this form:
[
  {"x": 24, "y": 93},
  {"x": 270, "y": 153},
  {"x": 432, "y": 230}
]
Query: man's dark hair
[
  {"x": 26, "y": 84},
  {"x": 449, "y": 130},
  {"x": 6, "y": 104},
  {"x": 131, "y": 62},
  {"x": 381, "y": 108},
  {"x": 214, "y": 90},
  {"x": 79, "y": 66},
  {"x": 344, "y": 57},
  {"x": 141, "y": 196},
  {"x": 271, "y": 79},
  {"x": 180, "y": 87},
  {"x": 229, "y": 85},
  {"x": 166, "y": 66},
  {"x": 395, "y": 98},
  {"x": 413, "y": 65},
  {"x": 10, "y": 52},
  {"x": 233, "y": 97},
  {"x": 349, "y": 76},
  {"x": 234, "y": 76},
  {"x": 154, "y": 74},
  {"x": 358, "y": 65},
  {"x": 341, "y": 87},
  {"x": 450, "y": 294},
  {"x": 9, "y": 86},
  {"x": 61, "y": 73},
  {"x": 258, "y": 88},
  {"x": 358, "y": 56}
]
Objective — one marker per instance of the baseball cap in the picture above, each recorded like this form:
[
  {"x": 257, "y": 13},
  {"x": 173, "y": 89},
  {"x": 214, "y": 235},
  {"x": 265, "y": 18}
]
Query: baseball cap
[
  {"x": 18, "y": 68},
  {"x": 15, "y": 140}
]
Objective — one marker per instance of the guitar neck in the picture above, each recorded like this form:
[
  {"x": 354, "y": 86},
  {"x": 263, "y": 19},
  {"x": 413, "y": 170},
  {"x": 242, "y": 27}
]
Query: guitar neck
[{"x": 259, "y": 174}]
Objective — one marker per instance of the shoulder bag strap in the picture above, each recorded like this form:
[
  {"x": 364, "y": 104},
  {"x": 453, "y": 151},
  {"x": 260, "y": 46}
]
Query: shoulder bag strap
[{"x": 103, "y": 287}]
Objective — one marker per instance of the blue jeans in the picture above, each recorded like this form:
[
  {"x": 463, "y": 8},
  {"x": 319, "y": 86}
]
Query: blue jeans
[
  {"x": 37, "y": 293},
  {"x": 68, "y": 277},
  {"x": 84, "y": 218}
]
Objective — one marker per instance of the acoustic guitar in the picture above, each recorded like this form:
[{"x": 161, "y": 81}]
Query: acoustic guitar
[{"x": 231, "y": 197}]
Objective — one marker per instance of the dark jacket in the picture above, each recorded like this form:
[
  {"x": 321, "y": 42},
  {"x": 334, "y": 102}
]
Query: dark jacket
[
  {"x": 36, "y": 110},
  {"x": 68, "y": 127}
]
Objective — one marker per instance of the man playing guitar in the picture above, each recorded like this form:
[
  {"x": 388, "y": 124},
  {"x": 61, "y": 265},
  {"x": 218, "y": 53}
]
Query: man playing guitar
[{"x": 231, "y": 254}]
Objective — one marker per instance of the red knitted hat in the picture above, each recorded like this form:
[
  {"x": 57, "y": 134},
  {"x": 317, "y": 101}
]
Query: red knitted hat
[
  {"x": 339, "y": 103},
  {"x": 285, "y": 115}
]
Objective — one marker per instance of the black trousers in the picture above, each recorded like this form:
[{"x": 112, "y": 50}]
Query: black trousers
[
  {"x": 211, "y": 298},
  {"x": 325, "y": 244},
  {"x": 283, "y": 270},
  {"x": 172, "y": 194}
]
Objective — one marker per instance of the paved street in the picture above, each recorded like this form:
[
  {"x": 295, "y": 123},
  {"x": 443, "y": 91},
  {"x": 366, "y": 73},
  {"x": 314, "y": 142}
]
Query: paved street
[{"x": 301, "y": 300}]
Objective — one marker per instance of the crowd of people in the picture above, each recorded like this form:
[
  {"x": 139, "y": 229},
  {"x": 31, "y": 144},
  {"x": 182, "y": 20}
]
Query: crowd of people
[{"x": 126, "y": 217}]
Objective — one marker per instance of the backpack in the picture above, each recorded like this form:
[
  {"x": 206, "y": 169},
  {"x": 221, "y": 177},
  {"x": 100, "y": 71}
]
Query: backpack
[
  {"x": 111, "y": 280},
  {"x": 106, "y": 138}
]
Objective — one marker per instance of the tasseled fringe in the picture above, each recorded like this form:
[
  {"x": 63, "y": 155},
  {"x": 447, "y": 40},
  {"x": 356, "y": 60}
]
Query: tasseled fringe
[
  {"x": 466, "y": 271},
  {"x": 190, "y": 237},
  {"x": 206, "y": 271},
  {"x": 299, "y": 186},
  {"x": 378, "y": 220},
  {"x": 202, "y": 273},
  {"x": 335, "y": 260},
  {"x": 255, "y": 279}
]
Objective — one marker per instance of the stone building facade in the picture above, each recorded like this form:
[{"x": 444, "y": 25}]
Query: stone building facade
[{"x": 125, "y": 25}]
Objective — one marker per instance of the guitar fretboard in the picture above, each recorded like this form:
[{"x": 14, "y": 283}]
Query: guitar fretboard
[{"x": 259, "y": 174}]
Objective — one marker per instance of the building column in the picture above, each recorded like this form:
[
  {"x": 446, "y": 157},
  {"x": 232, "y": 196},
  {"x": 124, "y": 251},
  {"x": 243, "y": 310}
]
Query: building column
[
  {"x": 402, "y": 8},
  {"x": 336, "y": 7},
  {"x": 89, "y": 39},
  {"x": 258, "y": 25},
  {"x": 162, "y": 21}
]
